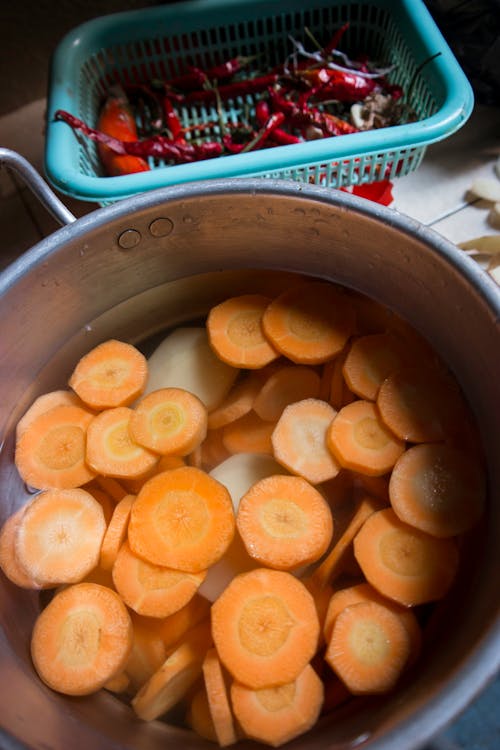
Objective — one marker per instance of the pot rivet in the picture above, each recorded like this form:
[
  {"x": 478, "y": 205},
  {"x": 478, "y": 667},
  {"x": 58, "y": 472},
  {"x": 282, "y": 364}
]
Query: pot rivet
[
  {"x": 129, "y": 239},
  {"x": 161, "y": 227}
]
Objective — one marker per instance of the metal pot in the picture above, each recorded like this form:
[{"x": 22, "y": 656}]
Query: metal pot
[{"x": 152, "y": 261}]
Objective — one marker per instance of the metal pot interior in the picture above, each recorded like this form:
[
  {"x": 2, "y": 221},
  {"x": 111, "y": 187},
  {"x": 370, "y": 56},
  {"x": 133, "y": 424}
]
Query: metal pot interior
[{"x": 122, "y": 273}]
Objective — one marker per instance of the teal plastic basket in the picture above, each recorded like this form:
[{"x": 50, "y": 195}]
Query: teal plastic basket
[{"x": 160, "y": 42}]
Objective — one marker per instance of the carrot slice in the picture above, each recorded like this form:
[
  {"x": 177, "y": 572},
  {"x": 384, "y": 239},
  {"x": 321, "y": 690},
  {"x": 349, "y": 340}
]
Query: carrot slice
[
  {"x": 404, "y": 563},
  {"x": 116, "y": 532},
  {"x": 172, "y": 628},
  {"x": 309, "y": 323},
  {"x": 148, "y": 650},
  {"x": 299, "y": 440},
  {"x": 9, "y": 564},
  {"x": 218, "y": 700},
  {"x": 110, "y": 448},
  {"x": 369, "y": 360},
  {"x": 81, "y": 639},
  {"x": 235, "y": 332},
  {"x": 105, "y": 501},
  {"x": 288, "y": 385},
  {"x": 114, "y": 373},
  {"x": 43, "y": 404},
  {"x": 275, "y": 715},
  {"x": 118, "y": 684},
  {"x": 59, "y": 536},
  {"x": 340, "y": 395},
  {"x": 178, "y": 673},
  {"x": 284, "y": 522},
  {"x": 265, "y": 627},
  {"x": 182, "y": 519},
  {"x": 438, "y": 489},
  {"x": 50, "y": 453},
  {"x": 359, "y": 440},
  {"x": 248, "y": 434},
  {"x": 112, "y": 487},
  {"x": 238, "y": 402},
  {"x": 368, "y": 648},
  {"x": 213, "y": 451},
  {"x": 152, "y": 590},
  {"x": 169, "y": 421},
  {"x": 199, "y": 718},
  {"x": 326, "y": 379}
]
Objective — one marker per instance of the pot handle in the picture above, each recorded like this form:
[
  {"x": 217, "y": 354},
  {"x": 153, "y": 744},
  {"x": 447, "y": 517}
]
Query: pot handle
[{"x": 39, "y": 187}]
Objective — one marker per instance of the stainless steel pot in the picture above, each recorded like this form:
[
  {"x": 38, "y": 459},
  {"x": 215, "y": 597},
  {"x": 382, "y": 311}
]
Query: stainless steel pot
[{"x": 152, "y": 261}]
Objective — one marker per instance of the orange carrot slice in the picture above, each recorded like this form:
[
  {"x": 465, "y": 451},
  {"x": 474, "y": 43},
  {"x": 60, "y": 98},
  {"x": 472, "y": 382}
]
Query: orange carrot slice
[
  {"x": 438, "y": 489},
  {"x": 105, "y": 501},
  {"x": 369, "y": 360},
  {"x": 404, "y": 563},
  {"x": 116, "y": 532},
  {"x": 340, "y": 395},
  {"x": 309, "y": 323},
  {"x": 286, "y": 386},
  {"x": 50, "y": 453},
  {"x": 238, "y": 402},
  {"x": 235, "y": 332},
  {"x": 110, "y": 448},
  {"x": 114, "y": 373},
  {"x": 172, "y": 628},
  {"x": 326, "y": 379},
  {"x": 43, "y": 404},
  {"x": 59, "y": 536},
  {"x": 112, "y": 487},
  {"x": 368, "y": 648},
  {"x": 265, "y": 627},
  {"x": 182, "y": 519},
  {"x": 148, "y": 650},
  {"x": 248, "y": 434},
  {"x": 81, "y": 639},
  {"x": 218, "y": 699},
  {"x": 169, "y": 421},
  {"x": 284, "y": 522},
  {"x": 152, "y": 590},
  {"x": 199, "y": 718},
  {"x": 275, "y": 715},
  {"x": 9, "y": 564},
  {"x": 118, "y": 684},
  {"x": 299, "y": 440},
  {"x": 359, "y": 440},
  {"x": 213, "y": 450}
]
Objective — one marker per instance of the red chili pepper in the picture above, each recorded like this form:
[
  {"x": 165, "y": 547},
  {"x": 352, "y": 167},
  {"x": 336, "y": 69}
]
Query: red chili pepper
[
  {"x": 188, "y": 81},
  {"x": 337, "y": 84},
  {"x": 379, "y": 192},
  {"x": 335, "y": 40},
  {"x": 273, "y": 122},
  {"x": 171, "y": 120},
  {"x": 232, "y": 90},
  {"x": 228, "y": 68},
  {"x": 277, "y": 135},
  {"x": 116, "y": 120}
]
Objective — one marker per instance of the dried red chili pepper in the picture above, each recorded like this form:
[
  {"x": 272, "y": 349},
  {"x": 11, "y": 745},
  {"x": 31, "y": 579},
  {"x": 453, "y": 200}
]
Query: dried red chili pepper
[
  {"x": 336, "y": 84},
  {"x": 227, "y": 69},
  {"x": 277, "y": 135},
  {"x": 335, "y": 40},
  {"x": 172, "y": 122},
  {"x": 116, "y": 120},
  {"x": 232, "y": 90}
]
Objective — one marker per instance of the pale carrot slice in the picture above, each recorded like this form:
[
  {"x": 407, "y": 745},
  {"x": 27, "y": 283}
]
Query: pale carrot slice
[
  {"x": 59, "y": 536},
  {"x": 50, "y": 453},
  {"x": 275, "y": 715},
  {"x": 116, "y": 532},
  {"x": 359, "y": 440},
  {"x": 114, "y": 373},
  {"x": 404, "y": 563},
  {"x": 238, "y": 402},
  {"x": 299, "y": 440},
  {"x": 148, "y": 650},
  {"x": 288, "y": 385},
  {"x": 265, "y": 627},
  {"x": 172, "y": 628},
  {"x": 368, "y": 648},
  {"x": 235, "y": 333},
  {"x": 182, "y": 519},
  {"x": 82, "y": 639},
  {"x": 284, "y": 522},
  {"x": 178, "y": 673},
  {"x": 169, "y": 421},
  {"x": 149, "y": 589},
  {"x": 369, "y": 360},
  {"x": 43, "y": 404},
  {"x": 438, "y": 489},
  {"x": 112, "y": 487},
  {"x": 118, "y": 684},
  {"x": 218, "y": 700},
  {"x": 111, "y": 451},
  {"x": 309, "y": 323},
  {"x": 199, "y": 717},
  {"x": 213, "y": 451},
  {"x": 248, "y": 434},
  {"x": 9, "y": 564}
]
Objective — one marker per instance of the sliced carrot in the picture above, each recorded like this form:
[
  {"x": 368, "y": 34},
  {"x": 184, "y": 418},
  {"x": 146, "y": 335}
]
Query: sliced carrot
[
  {"x": 100, "y": 576},
  {"x": 50, "y": 453},
  {"x": 149, "y": 589},
  {"x": 59, "y": 536},
  {"x": 169, "y": 462},
  {"x": 169, "y": 421},
  {"x": 112, "y": 487},
  {"x": 437, "y": 489},
  {"x": 111, "y": 451},
  {"x": 235, "y": 332},
  {"x": 194, "y": 458},
  {"x": 82, "y": 639},
  {"x": 275, "y": 715},
  {"x": 331, "y": 566},
  {"x": 340, "y": 395},
  {"x": 284, "y": 522},
  {"x": 114, "y": 373},
  {"x": 118, "y": 684},
  {"x": 238, "y": 402},
  {"x": 326, "y": 379},
  {"x": 404, "y": 563},
  {"x": 43, "y": 404},
  {"x": 199, "y": 717},
  {"x": 248, "y": 434},
  {"x": 213, "y": 450},
  {"x": 309, "y": 323},
  {"x": 265, "y": 627},
  {"x": 321, "y": 595},
  {"x": 368, "y": 648},
  {"x": 182, "y": 519},
  {"x": 9, "y": 564},
  {"x": 378, "y": 487},
  {"x": 369, "y": 360},
  {"x": 288, "y": 385},
  {"x": 359, "y": 440},
  {"x": 172, "y": 628},
  {"x": 299, "y": 440},
  {"x": 148, "y": 650},
  {"x": 218, "y": 699},
  {"x": 105, "y": 501},
  {"x": 178, "y": 673},
  {"x": 116, "y": 532}
]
